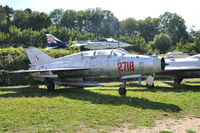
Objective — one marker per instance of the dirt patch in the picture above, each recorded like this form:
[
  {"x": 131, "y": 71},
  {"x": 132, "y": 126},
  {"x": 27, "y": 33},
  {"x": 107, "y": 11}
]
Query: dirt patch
[{"x": 188, "y": 123}]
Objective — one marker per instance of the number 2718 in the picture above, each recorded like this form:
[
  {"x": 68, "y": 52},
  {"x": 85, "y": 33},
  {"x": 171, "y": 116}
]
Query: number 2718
[{"x": 126, "y": 66}]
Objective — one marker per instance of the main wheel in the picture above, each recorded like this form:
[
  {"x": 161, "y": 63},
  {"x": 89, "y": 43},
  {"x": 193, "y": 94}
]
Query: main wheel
[
  {"x": 50, "y": 86},
  {"x": 178, "y": 80},
  {"x": 150, "y": 86},
  {"x": 122, "y": 91}
]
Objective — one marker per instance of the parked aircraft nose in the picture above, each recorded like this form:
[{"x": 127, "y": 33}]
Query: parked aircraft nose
[{"x": 123, "y": 44}]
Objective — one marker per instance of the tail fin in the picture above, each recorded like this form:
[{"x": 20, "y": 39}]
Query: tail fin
[
  {"x": 54, "y": 42},
  {"x": 37, "y": 57}
]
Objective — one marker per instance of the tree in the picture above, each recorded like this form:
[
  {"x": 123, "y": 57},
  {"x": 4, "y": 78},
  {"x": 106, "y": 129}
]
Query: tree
[
  {"x": 138, "y": 42},
  {"x": 38, "y": 20},
  {"x": 148, "y": 28},
  {"x": 56, "y": 16},
  {"x": 25, "y": 19},
  {"x": 5, "y": 17},
  {"x": 109, "y": 25},
  {"x": 174, "y": 25},
  {"x": 21, "y": 18},
  {"x": 162, "y": 42},
  {"x": 69, "y": 19},
  {"x": 129, "y": 26}
]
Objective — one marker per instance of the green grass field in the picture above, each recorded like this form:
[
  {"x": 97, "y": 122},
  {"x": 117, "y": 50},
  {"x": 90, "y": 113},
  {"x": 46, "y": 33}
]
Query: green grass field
[{"x": 97, "y": 109}]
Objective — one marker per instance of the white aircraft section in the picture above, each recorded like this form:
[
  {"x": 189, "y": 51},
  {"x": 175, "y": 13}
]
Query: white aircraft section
[
  {"x": 180, "y": 68},
  {"x": 76, "y": 69}
]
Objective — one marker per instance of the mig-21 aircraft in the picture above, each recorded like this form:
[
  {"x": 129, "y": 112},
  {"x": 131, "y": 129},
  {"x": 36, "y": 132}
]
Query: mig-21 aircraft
[
  {"x": 76, "y": 69},
  {"x": 180, "y": 68},
  {"x": 106, "y": 43}
]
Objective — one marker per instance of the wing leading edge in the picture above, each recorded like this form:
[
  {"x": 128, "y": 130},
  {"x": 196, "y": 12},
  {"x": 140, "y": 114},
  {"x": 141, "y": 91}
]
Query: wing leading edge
[{"x": 47, "y": 70}]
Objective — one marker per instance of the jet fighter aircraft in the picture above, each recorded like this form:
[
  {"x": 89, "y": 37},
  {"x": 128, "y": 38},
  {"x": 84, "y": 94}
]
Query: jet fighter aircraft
[
  {"x": 88, "y": 45},
  {"x": 180, "y": 68},
  {"x": 106, "y": 43},
  {"x": 76, "y": 69}
]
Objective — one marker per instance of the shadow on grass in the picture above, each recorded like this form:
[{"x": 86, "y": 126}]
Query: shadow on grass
[{"x": 87, "y": 95}]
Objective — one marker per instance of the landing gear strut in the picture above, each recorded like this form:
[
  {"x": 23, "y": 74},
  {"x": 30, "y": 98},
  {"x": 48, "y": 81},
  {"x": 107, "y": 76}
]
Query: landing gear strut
[
  {"x": 149, "y": 81},
  {"x": 50, "y": 85},
  {"x": 122, "y": 88}
]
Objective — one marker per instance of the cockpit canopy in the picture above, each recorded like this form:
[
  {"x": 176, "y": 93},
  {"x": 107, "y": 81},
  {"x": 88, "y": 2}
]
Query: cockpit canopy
[
  {"x": 106, "y": 40},
  {"x": 110, "y": 52}
]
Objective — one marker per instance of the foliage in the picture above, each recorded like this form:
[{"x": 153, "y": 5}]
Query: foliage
[
  {"x": 129, "y": 26},
  {"x": 148, "y": 28},
  {"x": 5, "y": 17},
  {"x": 192, "y": 47},
  {"x": 26, "y": 28},
  {"x": 174, "y": 25},
  {"x": 162, "y": 42},
  {"x": 29, "y": 19},
  {"x": 56, "y": 16},
  {"x": 138, "y": 43}
]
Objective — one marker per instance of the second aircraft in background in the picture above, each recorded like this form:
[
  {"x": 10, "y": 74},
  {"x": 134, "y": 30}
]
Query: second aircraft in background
[{"x": 107, "y": 43}]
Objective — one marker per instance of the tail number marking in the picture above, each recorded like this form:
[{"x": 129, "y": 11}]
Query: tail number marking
[{"x": 126, "y": 66}]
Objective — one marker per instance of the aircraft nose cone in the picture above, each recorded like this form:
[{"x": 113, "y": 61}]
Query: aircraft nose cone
[{"x": 123, "y": 44}]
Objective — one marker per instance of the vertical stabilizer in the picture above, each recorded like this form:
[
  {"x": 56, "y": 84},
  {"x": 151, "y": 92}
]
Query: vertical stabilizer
[
  {"x": 37, "y": 57},
  {"x": 54, "y": 42}
]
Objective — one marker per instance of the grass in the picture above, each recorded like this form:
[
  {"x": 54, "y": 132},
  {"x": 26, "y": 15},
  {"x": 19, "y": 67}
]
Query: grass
[
  {"x": 165, "y": 132},
  {"x": 190, "y": 131},
  {"x": 97, "y": 109}
]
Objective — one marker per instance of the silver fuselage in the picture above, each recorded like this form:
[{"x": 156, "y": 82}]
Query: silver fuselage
[
  {"x": 106, "y": 45},
  {"x": 191, "y": 62},
  {"x": 102, "y": 65}
]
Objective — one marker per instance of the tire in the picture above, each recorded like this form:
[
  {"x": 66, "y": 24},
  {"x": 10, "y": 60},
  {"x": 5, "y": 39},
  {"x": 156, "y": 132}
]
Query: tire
[
  {"x": 150, "y": 86},
  {"x": 178, "y": 80},
  {"x": 50, "y": 86},
  {"x": 122, "y": 91}
]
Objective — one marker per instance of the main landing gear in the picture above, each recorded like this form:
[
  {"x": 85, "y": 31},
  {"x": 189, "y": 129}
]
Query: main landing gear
[
  {"x": 149, "y": 81},
  {"x": 178, "y": 80},
  {"x": 50, "y": 84},
  {"x": 122, "y": 88}
]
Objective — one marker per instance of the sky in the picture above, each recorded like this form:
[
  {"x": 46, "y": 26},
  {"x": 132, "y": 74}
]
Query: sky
[{"x": 189, "y": 10}]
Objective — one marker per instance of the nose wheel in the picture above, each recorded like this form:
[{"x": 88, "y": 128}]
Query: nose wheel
[{"x": 122, "y": 89}]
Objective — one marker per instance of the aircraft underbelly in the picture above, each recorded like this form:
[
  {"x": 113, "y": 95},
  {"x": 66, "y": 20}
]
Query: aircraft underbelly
[
  {"x": 183, "y": 74},
  {"x": 190, "y": 74}
]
